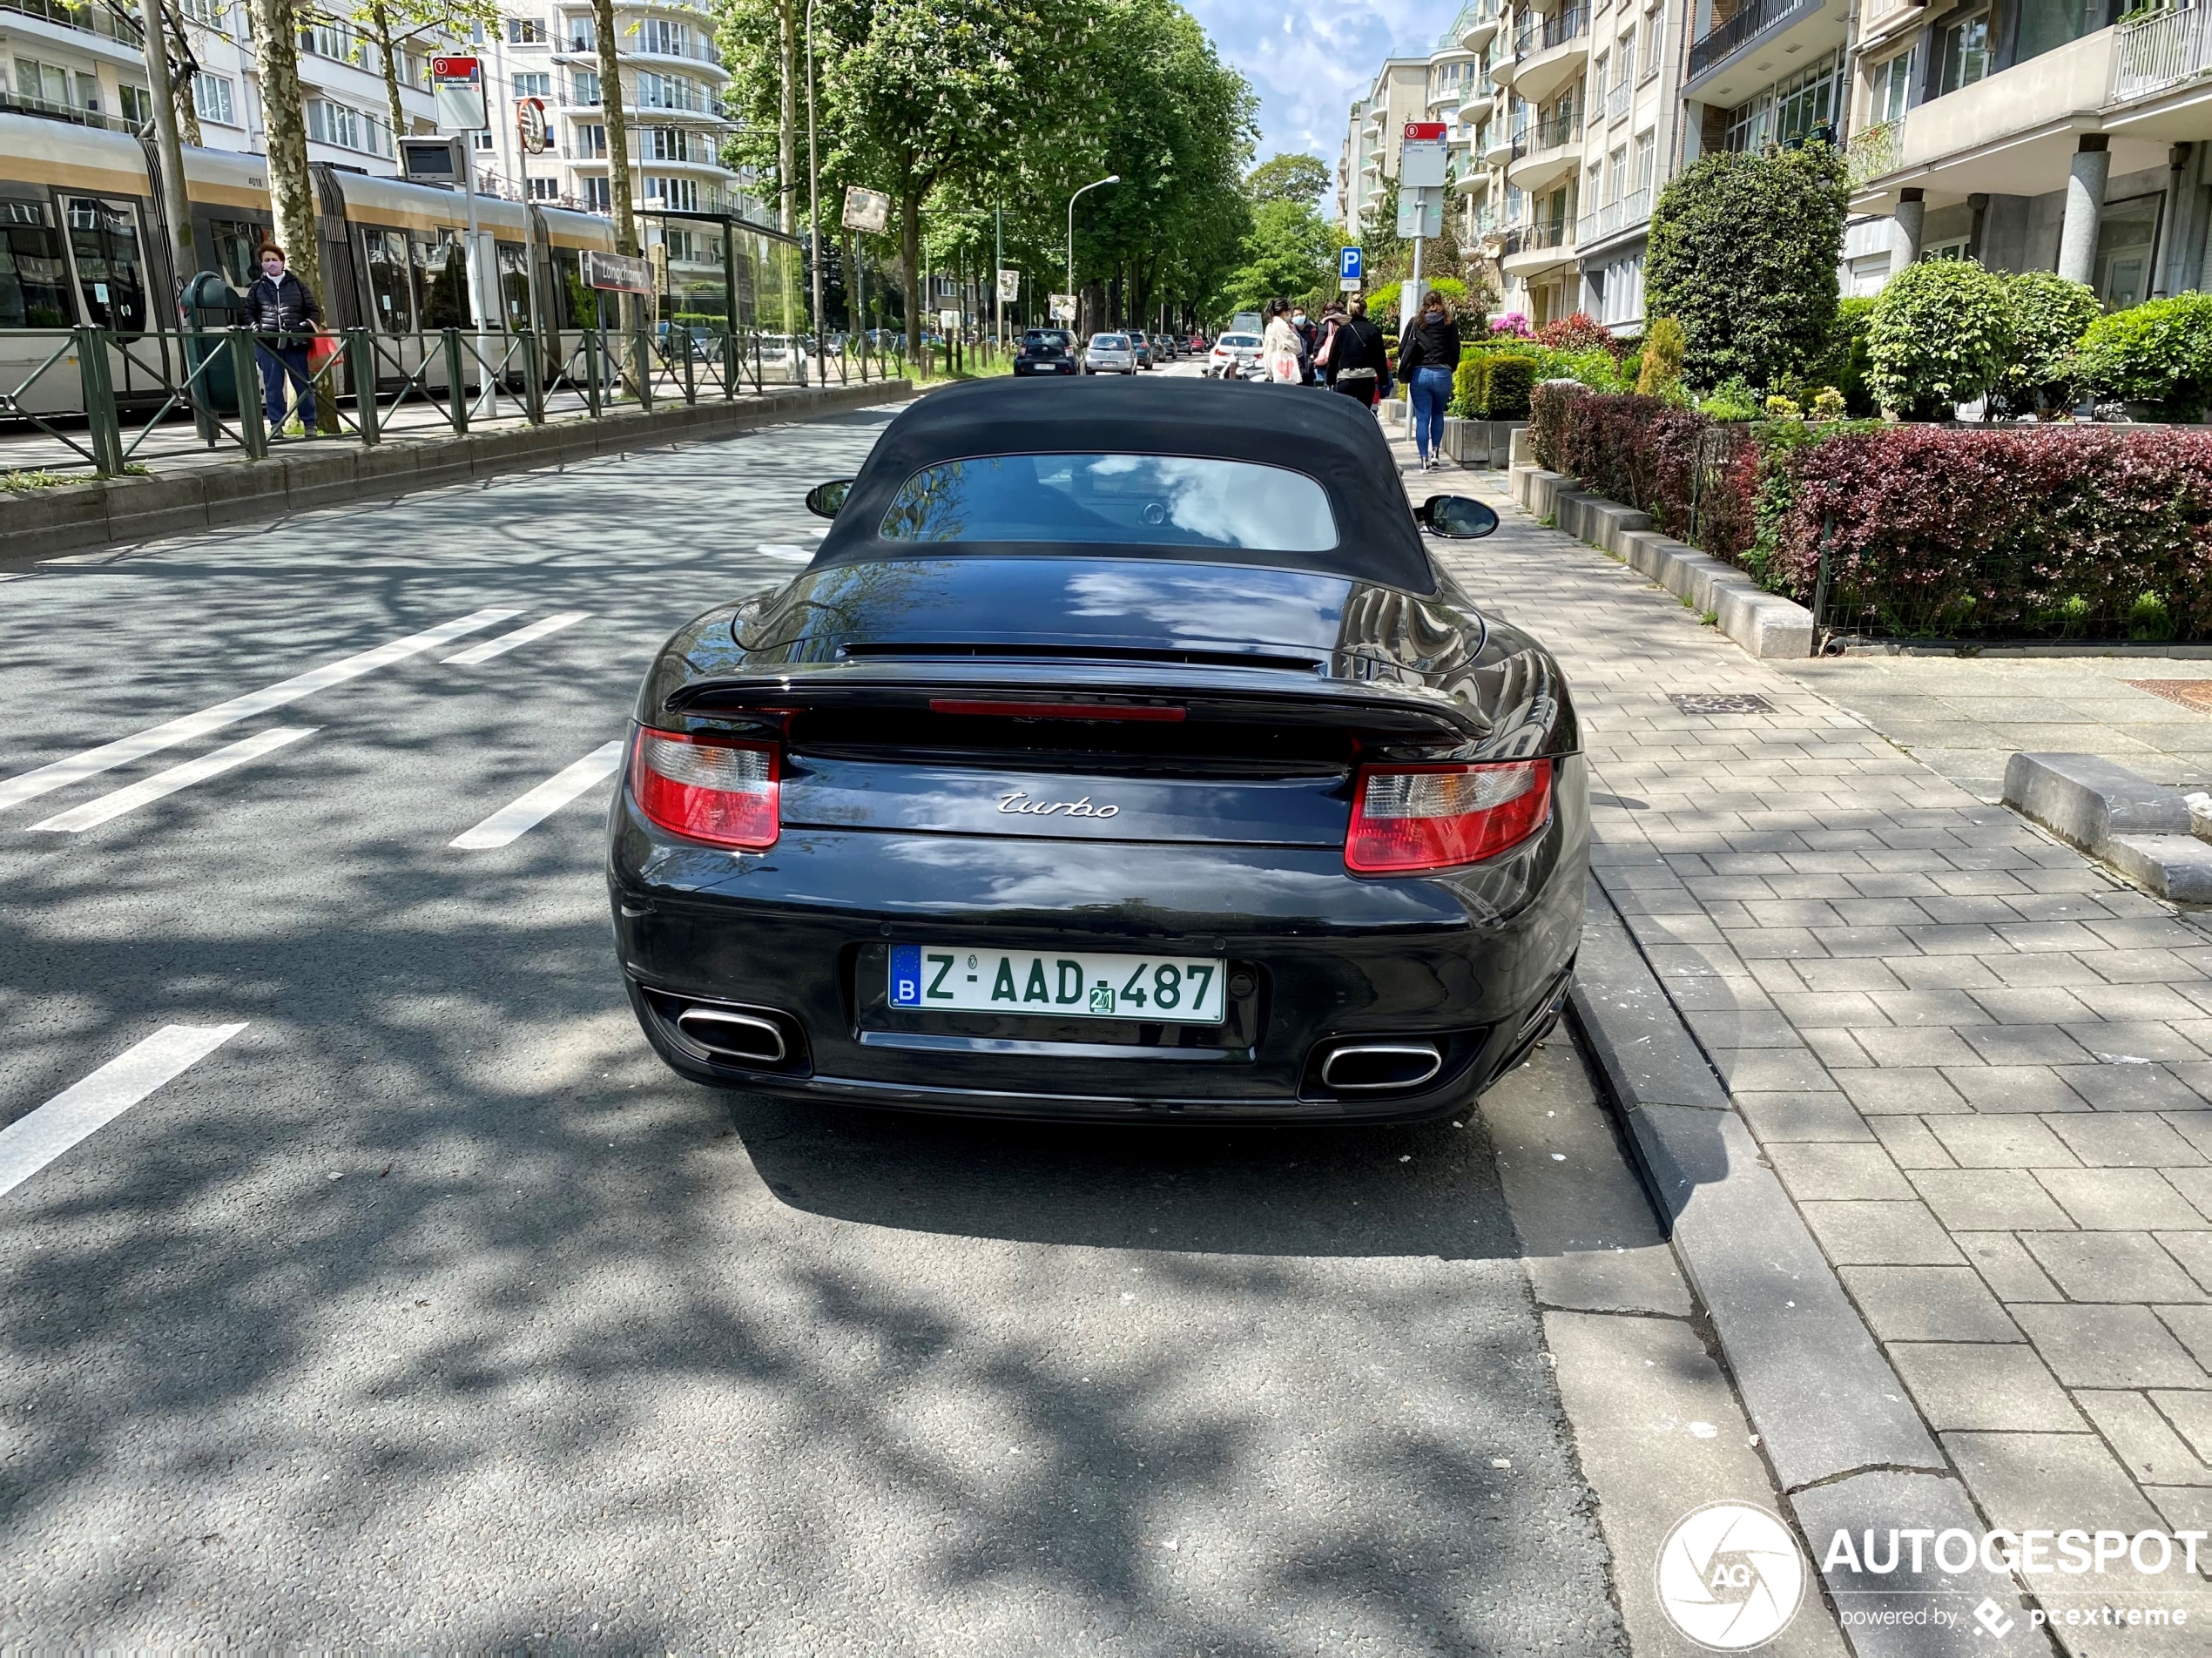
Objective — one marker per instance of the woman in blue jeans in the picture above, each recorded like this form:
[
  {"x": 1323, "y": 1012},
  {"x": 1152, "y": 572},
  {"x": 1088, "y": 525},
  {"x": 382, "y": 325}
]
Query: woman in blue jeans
[{"x": 1427, "y": 355}]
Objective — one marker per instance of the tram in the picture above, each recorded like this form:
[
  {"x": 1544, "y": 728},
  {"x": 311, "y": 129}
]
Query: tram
[{"x": 83, "y": 241}]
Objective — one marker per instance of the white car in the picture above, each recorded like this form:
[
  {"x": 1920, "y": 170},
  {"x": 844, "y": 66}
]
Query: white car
[
  {"x": 1110, "y": 353},
  {"x": 1235, "y": 356}
]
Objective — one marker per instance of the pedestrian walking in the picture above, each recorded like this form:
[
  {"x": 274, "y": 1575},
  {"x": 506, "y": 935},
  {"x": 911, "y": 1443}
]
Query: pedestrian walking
[
  {"x": 1309, "y": 339},
  {"x": 284, "y": 316},
  {"x": 1427, "y": 354},
  {"x": 1359, "y": 358},
  {"x": 1279, "y": 348}
]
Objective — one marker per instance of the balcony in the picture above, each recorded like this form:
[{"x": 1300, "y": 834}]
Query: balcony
[
  {"x": 109, "y": 33},
  {"x": 1752, "y": 18},
  {"x": 2161, "y": 53},
  {"x": 1532, "y": 250},
  {"x": 1476, "y": 25},
  {"x": 1614, "y": 217},
  {"x": 1618, "y": 100},
  {"x": 1553, "y": 55},
  {"x": 1546, "y": 150}
]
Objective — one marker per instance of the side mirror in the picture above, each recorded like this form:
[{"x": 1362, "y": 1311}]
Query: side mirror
[
  {"x": 824, "y": 499},
  {"x": 1456, "y": 517}
]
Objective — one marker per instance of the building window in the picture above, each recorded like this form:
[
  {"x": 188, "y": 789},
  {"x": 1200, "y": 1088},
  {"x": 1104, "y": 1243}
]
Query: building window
[
  {"x": 137, "y": 104},
  {"x": 334, "y": 41},
  {"x": 1789, "y": 109},
  {"x": 1624, "y": 58},
  {"x": 591, "y": 140},
  {"x": 486, "y": 139},
  {"x": 1651, "y": 37},
  {"x": 45, "y": 84},
  {"x": 1616, "y": 167},
  {"x": 539, "y": 86},
  {"x": 583, "y": 37},
  {"x": 345, "y": 128},
  {"x": 1647, "y": 159},
  {"x": 214, "y": 98},
  {"x": 586, "y": 82},
  {"x": 525, "y": 31},
  {"x": 1967, "y": 49},
  {"x": 1893, "y": 87},
  {"x": 544, "y": 189},
  {"x": 597, "y": 195},
  {"x": 211, "y": 12},
  {"x": 680, "y": 195}
]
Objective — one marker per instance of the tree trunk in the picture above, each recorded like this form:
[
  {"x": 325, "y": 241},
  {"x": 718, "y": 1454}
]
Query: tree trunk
[
  {"x": 388, "y": 52},
  {"x": 787, "y": 116},
  {"x": 291, "y": 191},
  {"x": 603, "y": 21},
  {"x": 910, "y": 265},
  {"x": 292, "y": 196}
]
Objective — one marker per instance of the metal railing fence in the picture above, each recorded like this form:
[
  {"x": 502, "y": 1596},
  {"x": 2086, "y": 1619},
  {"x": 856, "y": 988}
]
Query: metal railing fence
[
  {"x": 103, "y": 401},
  {"x": 2161, "y": 51}
]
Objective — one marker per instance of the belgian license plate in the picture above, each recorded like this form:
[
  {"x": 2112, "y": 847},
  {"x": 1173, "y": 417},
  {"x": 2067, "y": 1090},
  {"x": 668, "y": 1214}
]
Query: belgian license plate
[{"x": 1177, "y": 990}]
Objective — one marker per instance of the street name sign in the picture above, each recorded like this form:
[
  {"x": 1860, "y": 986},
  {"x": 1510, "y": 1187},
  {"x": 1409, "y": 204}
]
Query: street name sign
[
  {"x": 620, "y": 272},
  {"x": 1421, "y": 156}
]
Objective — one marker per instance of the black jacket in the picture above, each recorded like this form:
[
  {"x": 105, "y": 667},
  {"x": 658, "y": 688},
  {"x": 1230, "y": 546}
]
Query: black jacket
[
  {"x": 1428, "y": 345},
  {"x": 282, "y": 306},
  {"x": 1360, "y": 345}
]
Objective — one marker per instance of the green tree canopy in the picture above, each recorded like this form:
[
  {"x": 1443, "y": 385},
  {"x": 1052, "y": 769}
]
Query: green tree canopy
[
  {"x": 1289, "y": 177},
  {"x": 1289, "y": 253},
  {"x": 1743, "y": 255}
]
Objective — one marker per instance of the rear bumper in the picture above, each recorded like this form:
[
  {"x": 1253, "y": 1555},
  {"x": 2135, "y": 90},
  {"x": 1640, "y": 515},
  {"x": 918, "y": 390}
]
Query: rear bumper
[{"x": 1474, "y": 961}]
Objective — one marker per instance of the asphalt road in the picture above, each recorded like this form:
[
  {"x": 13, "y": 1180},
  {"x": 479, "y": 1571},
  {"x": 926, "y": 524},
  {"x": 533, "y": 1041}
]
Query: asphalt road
[{"x": 425, "y": 1308}]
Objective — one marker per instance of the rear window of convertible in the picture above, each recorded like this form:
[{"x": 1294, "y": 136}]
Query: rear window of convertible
[{"x": 1115, "y": 500}]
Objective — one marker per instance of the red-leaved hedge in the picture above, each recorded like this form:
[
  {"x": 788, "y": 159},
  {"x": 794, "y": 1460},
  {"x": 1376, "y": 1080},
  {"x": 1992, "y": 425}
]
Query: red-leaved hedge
[{"x": 2081, "y": 532}]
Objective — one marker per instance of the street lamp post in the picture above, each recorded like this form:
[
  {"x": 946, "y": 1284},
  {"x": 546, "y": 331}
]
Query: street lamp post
[
  {"x": 1073, "y": 298},
  {"x": 814, "y": 200}
]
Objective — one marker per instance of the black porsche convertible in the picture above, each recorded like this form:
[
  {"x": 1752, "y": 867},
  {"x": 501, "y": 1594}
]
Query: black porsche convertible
[{"x": 1121, "y": 753}]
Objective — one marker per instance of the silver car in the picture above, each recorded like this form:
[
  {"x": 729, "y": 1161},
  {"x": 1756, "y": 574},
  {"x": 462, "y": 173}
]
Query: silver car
[{"x": 1110, "y": 353}]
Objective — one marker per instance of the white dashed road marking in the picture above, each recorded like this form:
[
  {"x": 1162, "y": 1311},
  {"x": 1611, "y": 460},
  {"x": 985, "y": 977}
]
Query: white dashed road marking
[
  {"x": 29, "y": 785},
  {"x": 506, "y": 642},
  {"x": 114, "y": 804},
  {"x": 541, "y": 802},
  {"x": 30, "y": 1142}
]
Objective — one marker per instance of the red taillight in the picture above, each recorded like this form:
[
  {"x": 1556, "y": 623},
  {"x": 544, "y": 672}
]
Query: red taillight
[
  {"x": 1431, "y": 817},
  {"x": 707, "y": 788}
]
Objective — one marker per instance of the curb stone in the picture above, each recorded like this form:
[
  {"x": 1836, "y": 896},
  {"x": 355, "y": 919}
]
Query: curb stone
[{"x": 2140, "y": 828}]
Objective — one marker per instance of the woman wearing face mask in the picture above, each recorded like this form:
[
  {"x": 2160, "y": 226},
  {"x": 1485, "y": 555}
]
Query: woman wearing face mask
[
  {"x": 1280, "y": 347},
  {"x": 1426, "y": 357}
]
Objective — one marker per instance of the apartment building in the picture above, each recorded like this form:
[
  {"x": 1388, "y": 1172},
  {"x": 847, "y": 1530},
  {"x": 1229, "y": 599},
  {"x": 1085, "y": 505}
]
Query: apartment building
[
  {"x": 1367, "y": 167},
  {"x": 87, "y": 62},
  {"x": 2038, "y": 137}
]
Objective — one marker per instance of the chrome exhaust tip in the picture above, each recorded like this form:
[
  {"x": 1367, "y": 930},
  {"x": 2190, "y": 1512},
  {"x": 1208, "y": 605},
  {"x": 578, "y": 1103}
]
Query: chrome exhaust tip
[
  {"x": 725, "y": 1034},
  {"x": 1361, "y": 1067}
]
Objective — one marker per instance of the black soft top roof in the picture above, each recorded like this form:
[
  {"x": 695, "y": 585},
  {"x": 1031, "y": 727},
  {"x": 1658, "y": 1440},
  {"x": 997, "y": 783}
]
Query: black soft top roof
[{"x": 1332, "y": 439}]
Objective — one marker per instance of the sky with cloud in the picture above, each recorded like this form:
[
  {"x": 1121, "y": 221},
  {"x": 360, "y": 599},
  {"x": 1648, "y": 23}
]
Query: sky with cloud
[{"x": 1307, "y": 63}]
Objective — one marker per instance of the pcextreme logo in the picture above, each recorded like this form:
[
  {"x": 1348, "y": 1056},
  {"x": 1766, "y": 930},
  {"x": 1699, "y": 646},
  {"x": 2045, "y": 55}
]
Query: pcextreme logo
[{"x": 1731, "y": 1576}]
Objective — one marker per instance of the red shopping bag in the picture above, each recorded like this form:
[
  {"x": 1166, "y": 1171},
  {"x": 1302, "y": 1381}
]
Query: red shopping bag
[{"x": 321, "y": 350}]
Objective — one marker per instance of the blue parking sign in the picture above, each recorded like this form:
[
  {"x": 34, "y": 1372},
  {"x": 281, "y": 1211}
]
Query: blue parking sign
[{"x": 1348, "y": 264}]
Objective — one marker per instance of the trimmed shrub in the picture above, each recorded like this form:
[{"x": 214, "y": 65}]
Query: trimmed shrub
[
  {"x": 2050, "y": 314},
  {"x": 2056, "y": 532},
  {"x": 1513, "y": 378},
  {"x": 1942, "y": 333},
  {"x": 1471, "y": 385},
  {"x": 1743, "y": 254},
  {"x": 1696, "y": 476},
  {"x": 2158, "y": 353},
  {"x": 1660, "y": 373}
]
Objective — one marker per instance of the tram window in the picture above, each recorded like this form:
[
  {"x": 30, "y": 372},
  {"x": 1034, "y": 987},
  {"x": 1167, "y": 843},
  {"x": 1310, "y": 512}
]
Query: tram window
[
  {"x": 237, "y": 246},
  {"x": 582, "y": 307},
  {"x": 34, "y": 277},
  {"x": 514, "y": 285},
  {"x": 105, "y": 237},
  {"x": 385, "y": 253},
  {"x": 441, "y": 273}
]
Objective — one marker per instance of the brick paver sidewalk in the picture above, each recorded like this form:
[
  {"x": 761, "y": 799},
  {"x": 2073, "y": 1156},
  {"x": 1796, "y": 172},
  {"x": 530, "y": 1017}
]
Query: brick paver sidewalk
[{"x": 1981, "y": 1067}]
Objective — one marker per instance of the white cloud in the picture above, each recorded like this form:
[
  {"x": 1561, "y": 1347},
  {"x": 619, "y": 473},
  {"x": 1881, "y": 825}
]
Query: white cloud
[{"x": 1308, "y": 81}]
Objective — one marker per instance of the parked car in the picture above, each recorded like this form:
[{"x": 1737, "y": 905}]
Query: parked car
[
  {"x": 1123, "y": 755},
  {"x": 1197, "y": 344},
  {"x": 1110, "y": 353},
  {"x": 1046, "y": 351},
  {"x": 1235, "y": 356},
  {"x": 1142, "y": 346}
]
